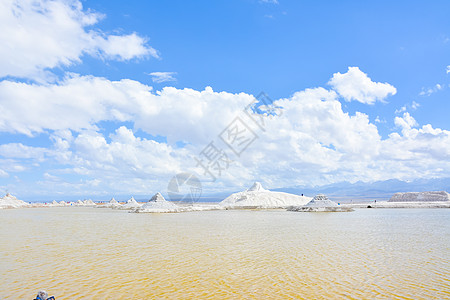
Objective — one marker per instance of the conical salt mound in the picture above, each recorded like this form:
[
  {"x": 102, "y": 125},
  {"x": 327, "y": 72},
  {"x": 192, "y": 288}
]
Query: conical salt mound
[
  {"x": 320, "y": 200},
  {"x": 320, "y": 203},
  {"x": 131, "y": 204},
  {"x": 111, "y": 204},
  {"x": 89, "y": 202},
  {"x": 157, "y": 198},
  {"x": 158, "y": 204},
  {"x": 256, "y": 187}
]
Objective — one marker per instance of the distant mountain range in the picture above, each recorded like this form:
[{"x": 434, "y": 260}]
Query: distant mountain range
[{"x": 379, "y": 190}]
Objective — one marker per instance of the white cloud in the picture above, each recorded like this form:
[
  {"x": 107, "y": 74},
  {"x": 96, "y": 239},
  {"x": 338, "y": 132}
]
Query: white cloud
[
  {"x": 406, "y": 122},
  {"x": 416, "y": 153},
  {"x": 18, "y": 150},
  {"x": 356, "y": 85},
  {"x": 379, "y": 120},
  {"x": 314, "y": 141},
  {"x": 160, "y": 77},
  {"x": 11, "y": 165},
  {"x": 3, "y": 173},
  {"x": 414, "y": 105},
  {"x": 85, "y": 100},
  {"x": 269, "y": 1},
  {"x": 448, "y": 69},
  {"x": 38, "y": 35},
  {"x": 429, "y": 91},
  {"x": 125, "y": 47},
  {"x": 400, "y": 110}
]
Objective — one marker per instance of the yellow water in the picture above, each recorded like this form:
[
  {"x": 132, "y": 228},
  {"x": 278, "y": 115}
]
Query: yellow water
[{"x": 93, "y": 253}]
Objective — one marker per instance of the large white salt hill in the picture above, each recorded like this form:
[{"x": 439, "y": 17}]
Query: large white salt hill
[
  {"x": 420, "y": 197},
  {"x": 9, "y": 201},
  {"x": 131, "y": 204},
  {"x": 157, "y": 204},
  {"x": 258, "y": 197}
]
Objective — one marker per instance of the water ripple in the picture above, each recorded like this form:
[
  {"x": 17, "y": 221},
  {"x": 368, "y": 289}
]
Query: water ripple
[{"x": 109, "y": 254}]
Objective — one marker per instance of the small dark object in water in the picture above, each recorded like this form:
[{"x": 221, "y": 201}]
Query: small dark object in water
[
  {"x": 368, "y": 206},
  {"x": 42, "y": 295}
]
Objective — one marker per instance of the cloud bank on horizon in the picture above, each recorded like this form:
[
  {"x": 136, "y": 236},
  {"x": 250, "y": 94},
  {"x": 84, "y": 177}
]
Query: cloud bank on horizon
[{"x": 84, "y": 134}]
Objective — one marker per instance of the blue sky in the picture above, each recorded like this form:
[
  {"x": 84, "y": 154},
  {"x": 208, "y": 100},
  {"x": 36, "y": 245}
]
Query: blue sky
[
  {"x": 88, "y": 65},
  {"x": 249, "y": 46}
]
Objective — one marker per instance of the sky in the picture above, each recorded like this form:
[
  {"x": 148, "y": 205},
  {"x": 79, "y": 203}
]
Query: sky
[{"x": 113, "y": 98}]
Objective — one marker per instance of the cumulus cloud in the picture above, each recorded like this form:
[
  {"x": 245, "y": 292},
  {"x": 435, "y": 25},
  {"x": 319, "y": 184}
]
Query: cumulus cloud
[
  {"x": 85, "y": 100},
  {"x": 269, "y": 1},
  {"x": 160, "y": 77},
  {"x": 356, "y": 85},
  {"x": 416, "y": 152},
  {"x": 406, "y": 122},
  {"x": 314, "y": 141},
  {"x": 38, "y": 35},
  {"x": 124, "y": 47}
]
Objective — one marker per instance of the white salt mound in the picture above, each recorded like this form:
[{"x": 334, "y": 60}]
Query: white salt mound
[
  {"x": 89, "y": 202},
  {"x": 157, "y": 204},
  {"x": 258, "y": 197},
  {"x": 9, "y": 201},
  {"x": 320, "y": 203},
  {"x": 112, "y": 203},
  {"x": 131, "y": 204},
  {"x": 321, "y": 200},
  {"x": 420, "y": 197}
]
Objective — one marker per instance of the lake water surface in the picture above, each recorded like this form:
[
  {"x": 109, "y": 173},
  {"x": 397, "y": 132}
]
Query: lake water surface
[{"x": 76, "y": 252}]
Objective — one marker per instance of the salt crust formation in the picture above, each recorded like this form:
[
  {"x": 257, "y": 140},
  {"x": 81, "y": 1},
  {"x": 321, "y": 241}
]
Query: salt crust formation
[{"x": 420, "y": 197}]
